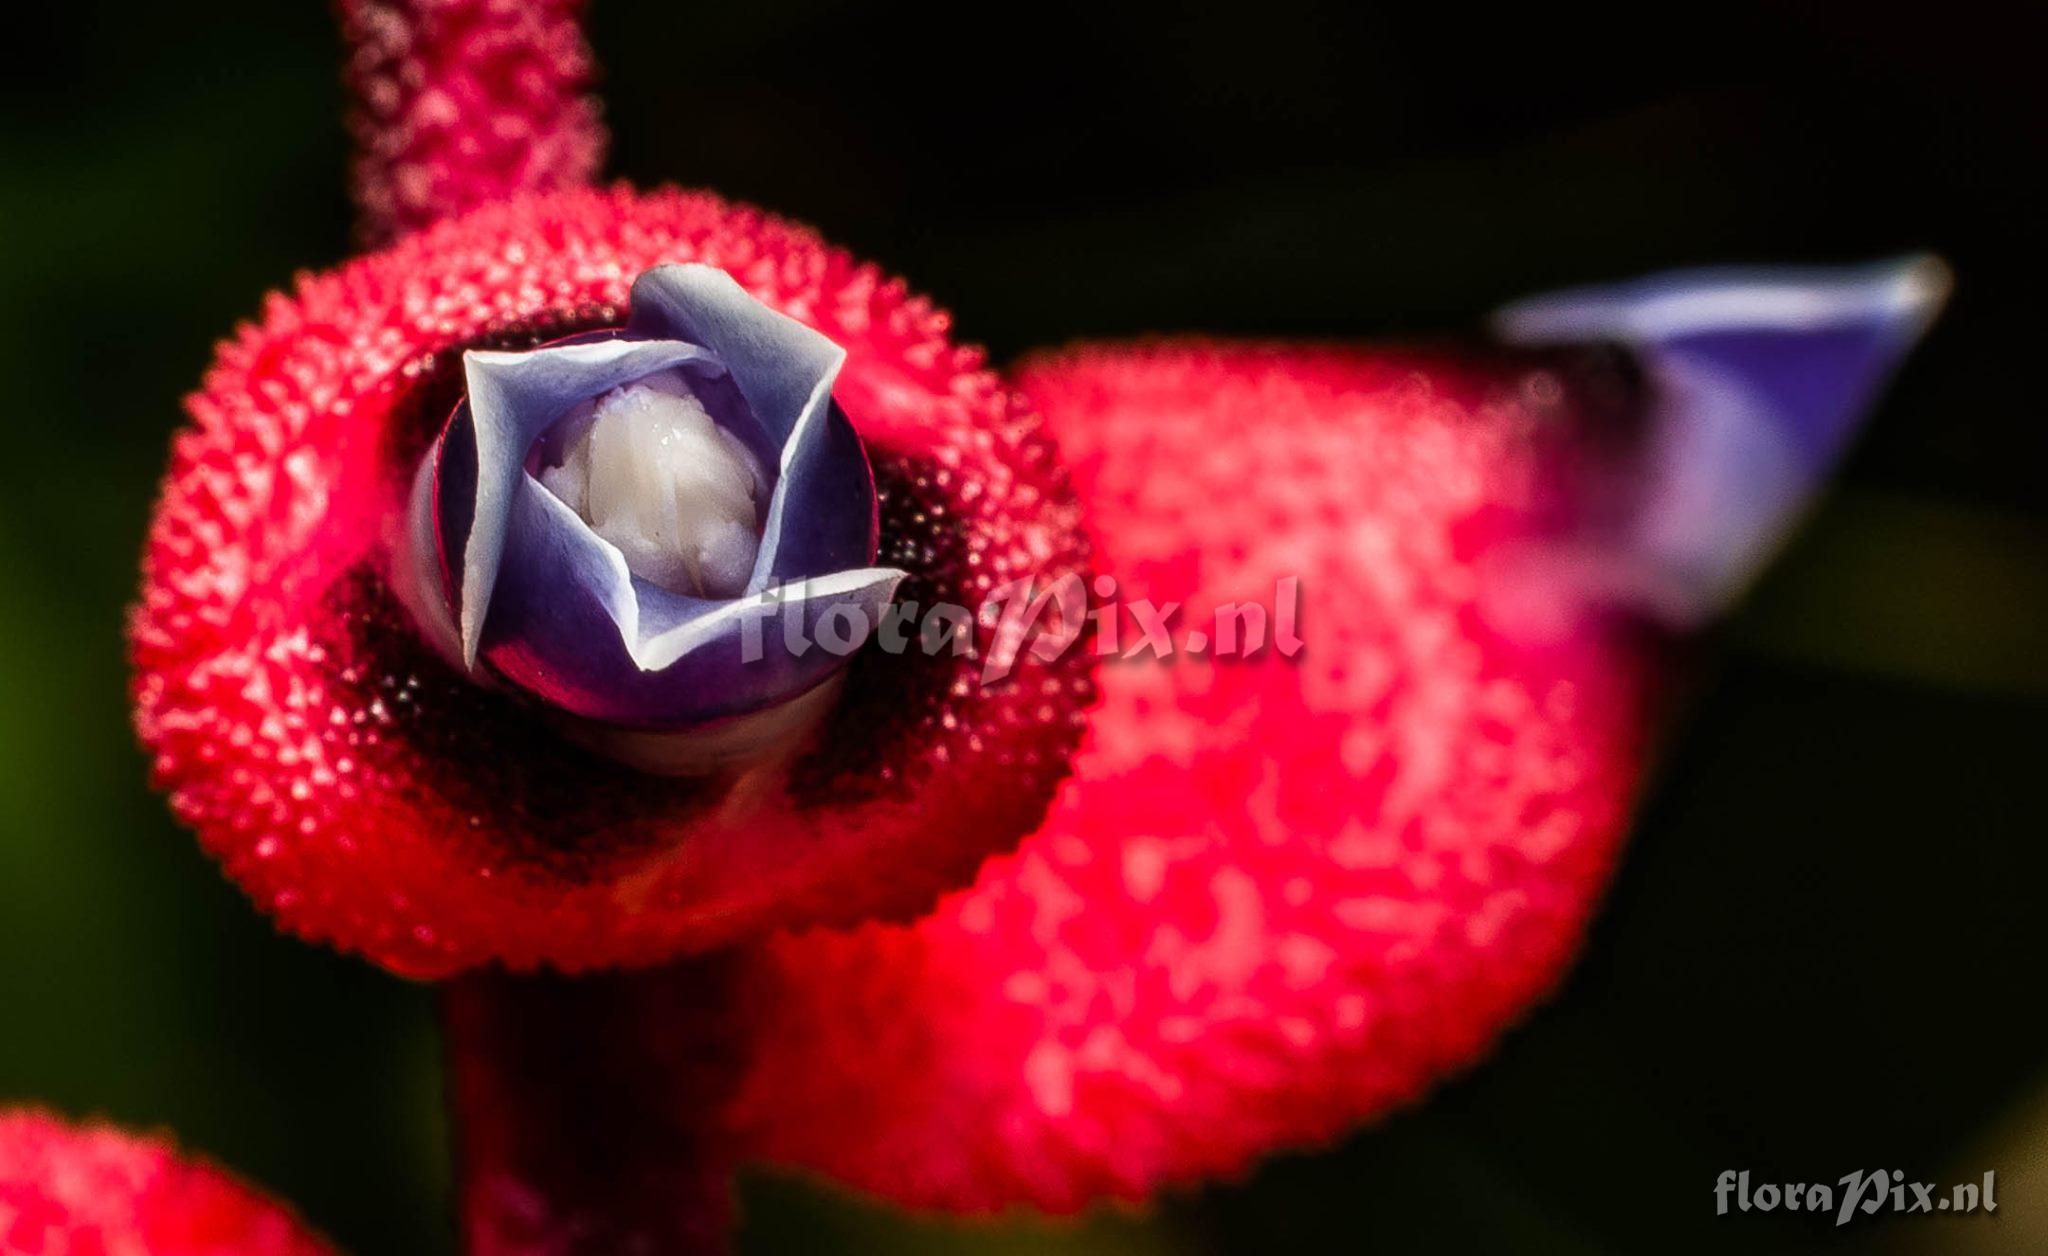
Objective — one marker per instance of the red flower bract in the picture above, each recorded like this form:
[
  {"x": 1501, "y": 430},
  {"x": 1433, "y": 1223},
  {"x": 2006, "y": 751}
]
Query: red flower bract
[
  {"x": 366, "y": 793},
  {"x": 1278, "y": 896},
  {"x": 95, "y": 1191}
]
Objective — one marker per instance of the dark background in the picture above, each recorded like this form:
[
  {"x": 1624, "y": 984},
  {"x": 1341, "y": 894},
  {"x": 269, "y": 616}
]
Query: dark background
[{"x": 1823, "y": 951}]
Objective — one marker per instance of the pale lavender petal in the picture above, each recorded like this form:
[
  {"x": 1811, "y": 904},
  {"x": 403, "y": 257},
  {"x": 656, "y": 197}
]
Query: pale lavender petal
[
  {"x": 1759, "y": 376},
  {"x": 785, "y": 369},
  {"x": 553, "y": 607},
  {"x": 513, "y": 398},
  {"x": 572, "y": 626}
]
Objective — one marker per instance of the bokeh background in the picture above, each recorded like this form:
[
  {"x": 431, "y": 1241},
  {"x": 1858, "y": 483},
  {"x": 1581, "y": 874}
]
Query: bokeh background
[{"x": 1823, "y": 951}]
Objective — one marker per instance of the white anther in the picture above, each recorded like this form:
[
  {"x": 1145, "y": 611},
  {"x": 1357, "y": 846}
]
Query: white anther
[{"x": 680, "y": 496}]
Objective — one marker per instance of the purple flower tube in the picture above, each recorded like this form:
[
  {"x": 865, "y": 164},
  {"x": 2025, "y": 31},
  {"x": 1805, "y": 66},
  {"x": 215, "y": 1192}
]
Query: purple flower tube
[{"x": 646, "y": 528}]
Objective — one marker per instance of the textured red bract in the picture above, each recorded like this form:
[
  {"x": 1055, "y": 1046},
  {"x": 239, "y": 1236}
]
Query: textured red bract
[
  {"x": 1277, "y": 897},
  {"x": 95, "y": 1191},
  {"x": 457, "y": 103},
  {"x": 368, "y": 795}
]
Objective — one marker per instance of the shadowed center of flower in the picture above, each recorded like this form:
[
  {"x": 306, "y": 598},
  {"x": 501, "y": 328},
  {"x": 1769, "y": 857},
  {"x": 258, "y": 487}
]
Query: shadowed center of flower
[{"x": 653, "y": 473}]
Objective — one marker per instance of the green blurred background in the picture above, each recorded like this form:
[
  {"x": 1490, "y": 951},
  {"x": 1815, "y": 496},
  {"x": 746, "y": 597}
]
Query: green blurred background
[{"x": 1821, "y": 952}]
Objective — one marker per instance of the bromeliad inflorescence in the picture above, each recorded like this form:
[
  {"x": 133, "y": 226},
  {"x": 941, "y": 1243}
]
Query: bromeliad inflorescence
[{"x": 443, "y": 651}]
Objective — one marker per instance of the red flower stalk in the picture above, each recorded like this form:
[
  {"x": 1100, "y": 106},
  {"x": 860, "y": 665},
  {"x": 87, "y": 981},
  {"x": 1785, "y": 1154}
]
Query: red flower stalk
[
  {"x": 588, "y": 1109},
  {"x": 1081, "y": 925},
  {"x": 95, "y": 1191},
  {"x": 458, "y": 103}
]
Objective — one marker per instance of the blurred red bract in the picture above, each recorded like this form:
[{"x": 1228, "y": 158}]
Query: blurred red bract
[
  {"x": 1278, "y": 897},
  {"x": 93, "y": 1190}
]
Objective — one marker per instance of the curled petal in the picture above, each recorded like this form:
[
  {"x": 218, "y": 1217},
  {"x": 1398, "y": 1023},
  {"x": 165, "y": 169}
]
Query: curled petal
[
  {"x": 1761, "y": 375},
  {"x": 513, "y": 398},
  {"x": 786, "y": 373},
  {"x": 555, "y": 608},
  {"x": 674, "y": 660}
]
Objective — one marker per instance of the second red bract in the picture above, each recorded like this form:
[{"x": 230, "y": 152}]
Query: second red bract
[{"x": 1277, "y": 896}]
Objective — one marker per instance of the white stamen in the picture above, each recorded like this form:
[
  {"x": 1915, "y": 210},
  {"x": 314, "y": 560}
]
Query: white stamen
[{"x": 677, "y": 494}]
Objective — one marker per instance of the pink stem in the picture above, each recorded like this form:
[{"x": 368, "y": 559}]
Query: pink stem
[
  {"x": 455, "y": 103},
  {"x": 587, "y": 1110}
]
